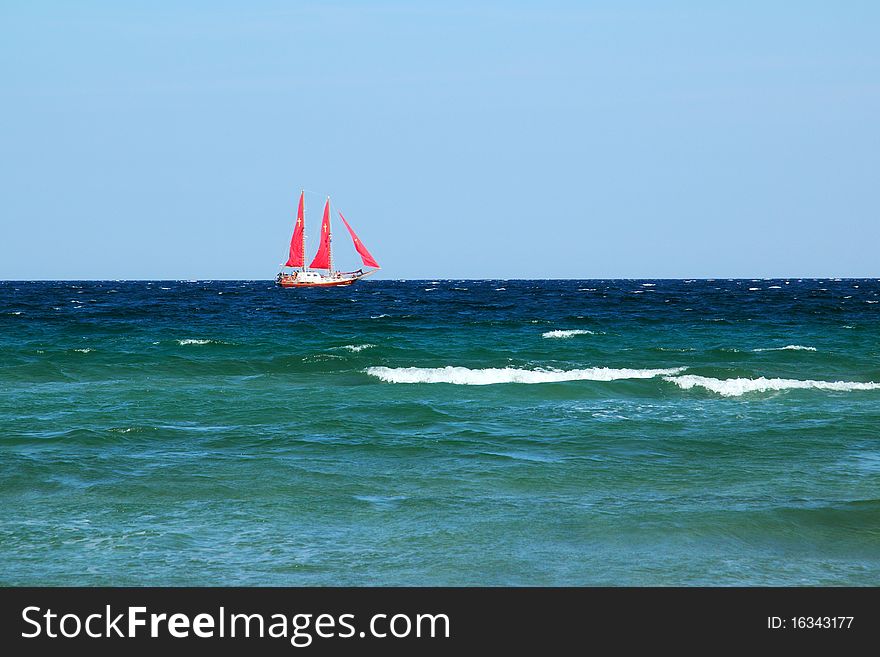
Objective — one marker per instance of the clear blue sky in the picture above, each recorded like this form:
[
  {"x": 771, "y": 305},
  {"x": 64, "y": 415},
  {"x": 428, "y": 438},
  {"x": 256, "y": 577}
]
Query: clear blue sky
[{"x": 461, "y": 139}]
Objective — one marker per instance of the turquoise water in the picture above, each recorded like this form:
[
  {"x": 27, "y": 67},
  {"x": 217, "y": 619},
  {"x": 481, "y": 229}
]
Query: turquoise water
[{"x": 448, "y": 432}]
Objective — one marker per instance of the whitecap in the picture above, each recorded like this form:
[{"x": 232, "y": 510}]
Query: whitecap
[
  {"x": 356, "y": 347},
  {"x": 84, "y": 351},
  {"x": 491, "y": 375},
  {"x": 195, "y": 341},
  {"x": 789, "y": 347},
  {"x": 775, "y": 287},
  {"x": 430, "y": 289},
  {"x": 741, "y": 386},
  {"x": 566, "y": 334},
  {"x": 379, "y": 316},
  {"x": 500, "y": 289},
  {"x": 649, "y": 285},
  {"x": 754, "y": 289}
]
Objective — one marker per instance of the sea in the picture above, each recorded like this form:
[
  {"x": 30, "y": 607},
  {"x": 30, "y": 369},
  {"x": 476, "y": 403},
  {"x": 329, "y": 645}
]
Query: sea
[{"x": 440, "y": 432}]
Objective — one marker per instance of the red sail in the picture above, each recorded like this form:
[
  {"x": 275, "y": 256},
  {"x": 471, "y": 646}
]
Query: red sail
[
  {"x": 296, "y": 243},
  {"x": 369, "y": 260},
  {"x": 322, "y": 257}
]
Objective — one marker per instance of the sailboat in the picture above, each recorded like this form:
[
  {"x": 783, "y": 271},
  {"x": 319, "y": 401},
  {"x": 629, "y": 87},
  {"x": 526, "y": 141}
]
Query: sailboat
[{"x": 320, "y": 272}]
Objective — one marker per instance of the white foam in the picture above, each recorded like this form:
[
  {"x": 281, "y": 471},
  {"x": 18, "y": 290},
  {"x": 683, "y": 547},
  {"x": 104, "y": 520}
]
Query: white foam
[
  {"x": 487, "y": 376},
  {"x": 649, "y": 284},
  {"x": 194, "y": 341},
  {"x": 754, "y": 289},
  {"x": 741, "y": 386},
  {"x": 566, "y": 334},
  {"x": 356, "y": 347},
  {"x": 430, "y": 289},
  {"x": 83, "y": 351},
  {"x": 789, "y": 347},
  {"x": 379, "y": 316}
]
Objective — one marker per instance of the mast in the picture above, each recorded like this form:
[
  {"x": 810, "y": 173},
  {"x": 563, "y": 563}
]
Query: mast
[
  {"x": 303, "y": 193},
  {"x": 296, "y": 255},
  {"x": 322, "y": 257},
  {"x": 329, "y": 242}
]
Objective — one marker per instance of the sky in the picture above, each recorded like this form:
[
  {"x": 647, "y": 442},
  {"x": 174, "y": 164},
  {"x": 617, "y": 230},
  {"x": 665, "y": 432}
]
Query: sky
[{"x": 683, "y": 139}]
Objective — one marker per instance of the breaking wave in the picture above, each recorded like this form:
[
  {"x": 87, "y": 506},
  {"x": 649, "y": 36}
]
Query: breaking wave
[
  {"x": 487, "y": 376},
  {"x": 566, "y": 334},
  {"x": 195, "y": 341},
  {"x": 741, "y": 386},
  {"x": 790, "y": 347},
  {"x": 356, "y": 347}
]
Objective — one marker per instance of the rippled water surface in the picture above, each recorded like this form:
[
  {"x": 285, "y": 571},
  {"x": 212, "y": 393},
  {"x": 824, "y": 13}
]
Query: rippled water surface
[{"x": 440, "y": 432}]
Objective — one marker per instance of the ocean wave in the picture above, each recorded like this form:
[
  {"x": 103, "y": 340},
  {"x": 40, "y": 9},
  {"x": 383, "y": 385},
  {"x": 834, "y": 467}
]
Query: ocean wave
[
  {"x": 490, "y": 375},
  {"x": 566, "y": 333},
  {"x": 741, "y": 386},
  {"x": 356, "y": 347},
  {"x": 789, "y": 347},
  {"x": 196, "y": 341},
  {"x": 320, "y": 358}
]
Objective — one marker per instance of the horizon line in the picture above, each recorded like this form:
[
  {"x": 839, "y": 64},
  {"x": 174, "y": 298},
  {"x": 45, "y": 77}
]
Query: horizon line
[{"x": 439, "y": 278}]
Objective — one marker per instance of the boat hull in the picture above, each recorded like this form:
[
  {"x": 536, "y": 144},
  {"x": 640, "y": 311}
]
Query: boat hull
[
  {"x": 319, "y": 280},
  {"x": 344, "y": 283}
]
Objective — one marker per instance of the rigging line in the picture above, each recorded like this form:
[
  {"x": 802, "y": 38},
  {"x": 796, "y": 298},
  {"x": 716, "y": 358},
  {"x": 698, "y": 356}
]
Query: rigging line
[{"x": 322, "y": 197}]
